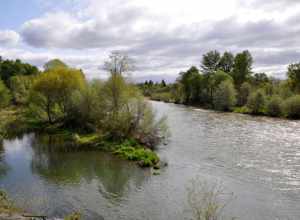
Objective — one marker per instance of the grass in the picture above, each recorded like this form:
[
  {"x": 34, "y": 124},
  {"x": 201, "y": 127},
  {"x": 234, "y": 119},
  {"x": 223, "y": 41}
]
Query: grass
[{"x": 6, "y": 207}]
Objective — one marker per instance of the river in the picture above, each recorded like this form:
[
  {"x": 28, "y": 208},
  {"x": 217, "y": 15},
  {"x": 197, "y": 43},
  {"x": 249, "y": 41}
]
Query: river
[{"x": 256, "y": 160}]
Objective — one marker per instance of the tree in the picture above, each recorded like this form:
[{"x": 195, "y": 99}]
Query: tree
[
  {"x": 226, "y": 62},
  {"x": 225, "y": 96},
  {"x": 244, "y": 93},
  {"x": 294, "y": 76},
  {"x": 292, "y": 107},
  {"x": 191, "y": 84},
  {"x": 10, "y": 68},
  {"x": 242, "y": 68},
  {"x": 212, "y": 81},
  {"x": 163, "y": 83},
  {"x": 119, "y": 63},
  {"x": 5, "y": 96},
  {"x": 274, "y": 106},
  {"x": 20, "y": 88},
  {"x": 210, "y": 62},
  {"x": 52, "y": 92},
  {"x": 257, "y": 102},
  {"x": 53, "y": 64},
  {"x": 260, "y": 79}
]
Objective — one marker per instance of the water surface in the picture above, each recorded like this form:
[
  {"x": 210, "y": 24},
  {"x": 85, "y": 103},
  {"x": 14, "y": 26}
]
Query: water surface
[{"x": 255, "y": 158}]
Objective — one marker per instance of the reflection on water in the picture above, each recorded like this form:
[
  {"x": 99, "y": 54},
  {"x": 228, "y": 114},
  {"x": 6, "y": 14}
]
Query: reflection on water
[{"x": 256, "y": 158}]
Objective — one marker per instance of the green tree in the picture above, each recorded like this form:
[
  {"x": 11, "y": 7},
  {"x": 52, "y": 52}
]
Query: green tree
[
  {"x": 20, "y": 88},
  {"x": 210, "y": 62},
  {"x": 5, "y": 96},
  {"x": 274, "y": 106},
  {"x": 294, "y": 76},
  {"x": 292, "y": 107},
  {"x": 53, "y": 64},
  {"x": 244, "y": 93},
  {"x": 226, "y": 62},
  {"x": 53, "y": 90},
  {"x": 242, "y": 68},
  {"x": 10, "y": 68},
  {"x": 257, "y": 102},
  {"x": 225, "y": 96}
]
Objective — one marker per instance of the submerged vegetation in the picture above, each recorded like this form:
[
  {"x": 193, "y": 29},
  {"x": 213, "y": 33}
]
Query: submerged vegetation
[
  {"x": 95, "y": 113},
  {"x": 227, "y": 83}
]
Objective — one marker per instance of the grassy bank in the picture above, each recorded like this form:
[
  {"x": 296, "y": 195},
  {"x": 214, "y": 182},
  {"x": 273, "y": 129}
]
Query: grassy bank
[{"x": 128, "y": 149}]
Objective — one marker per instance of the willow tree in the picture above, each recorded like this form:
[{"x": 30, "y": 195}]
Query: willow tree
[{"x": 52, "y": 92}]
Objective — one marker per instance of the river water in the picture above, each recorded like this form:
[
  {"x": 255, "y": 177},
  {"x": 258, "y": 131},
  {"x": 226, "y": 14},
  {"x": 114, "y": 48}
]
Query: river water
[{"x": 256, "y": 160}]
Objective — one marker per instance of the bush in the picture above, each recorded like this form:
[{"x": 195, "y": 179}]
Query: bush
[
  {"x": 274, "y": 107},
  {"x": 244, "y": 93},
  {"x": 257, "y": 103},
  {"x": 145, "y": 157},
  {"x": 5, "y": 96},
  {"x": 225, "y": 96},
  {"x": 242, "y": 110},
  {"x": 292, "y": 107}
]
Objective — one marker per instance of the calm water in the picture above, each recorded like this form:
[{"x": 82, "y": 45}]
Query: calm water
[{"x": 255, "y": 158}]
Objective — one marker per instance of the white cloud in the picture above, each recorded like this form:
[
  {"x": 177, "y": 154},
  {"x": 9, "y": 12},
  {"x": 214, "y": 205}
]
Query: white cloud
[
  {"x": 9, "y": 38},
  {"x": 165, "y": 36}
]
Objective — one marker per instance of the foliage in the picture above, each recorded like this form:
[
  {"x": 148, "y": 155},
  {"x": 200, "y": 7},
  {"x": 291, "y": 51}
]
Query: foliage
[
  {"x": 225, "y": 96},
  {"x": 274, "y": 106},
  {"x": 10, "y": 68},
  {"x": 52, "y": 92},
  {"x": 257, "y": 102},
  {"x": 242, "y": 110},
  {"x": 226, "y": 62},
  {"x": 244, "y": 93},
  {"x": 53, "y": 64},
  {"x": 5, "y": 96},
  {"x": 210, "y": 62},
  {"x": 294, "y": 76},
  {"x": 144, "y": 157},
  {"x": 292, "y": 107},
  {"x": 242, "y": 67},
  {"x": 207, "y": 202},
  {"x": 20, "y": 88},
  {"x": 6, "y": 206}
]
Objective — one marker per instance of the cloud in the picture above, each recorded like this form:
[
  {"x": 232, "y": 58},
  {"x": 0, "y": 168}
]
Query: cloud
[
  {"x": 165, "y": 40},
  {"x": 9, "y": 38}
]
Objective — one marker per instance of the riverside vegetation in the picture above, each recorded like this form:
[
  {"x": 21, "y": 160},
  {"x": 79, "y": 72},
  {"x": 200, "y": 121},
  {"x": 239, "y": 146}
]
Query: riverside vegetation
[
  {"x": 108, "y": 115},
  {"x": 227, "y": 83}
]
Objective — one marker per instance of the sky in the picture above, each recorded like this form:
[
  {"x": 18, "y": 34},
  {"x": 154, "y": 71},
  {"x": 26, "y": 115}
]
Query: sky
[{"x": 164, "y": 37}]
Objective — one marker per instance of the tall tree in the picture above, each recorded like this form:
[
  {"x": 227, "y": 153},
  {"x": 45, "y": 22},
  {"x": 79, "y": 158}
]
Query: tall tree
[
  {"x": 294, "y": 76},
  {"x": 210, "y": 62},
  {"x": 226, "y": 62},
  {"x": 119, "y": 63},
  {"x": 242, "y": 68}
]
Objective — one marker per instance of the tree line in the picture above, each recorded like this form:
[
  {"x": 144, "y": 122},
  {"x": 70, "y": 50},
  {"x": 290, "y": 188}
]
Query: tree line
[{"x": 226, "y": 82}]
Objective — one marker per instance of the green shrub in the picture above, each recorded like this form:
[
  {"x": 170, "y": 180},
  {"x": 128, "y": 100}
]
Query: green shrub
[
  {"x": 257, "y": 103},
  {"x": 162, "y": 96},
  {"x": 274, "y": 107},
  {"x": 225, "y": 96},
  {"x": 5, "y": 96},
  {"x": 242, "y": 110},
  {"x": 292, "y": 107},
  {"x": 145, "y": 157}
]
